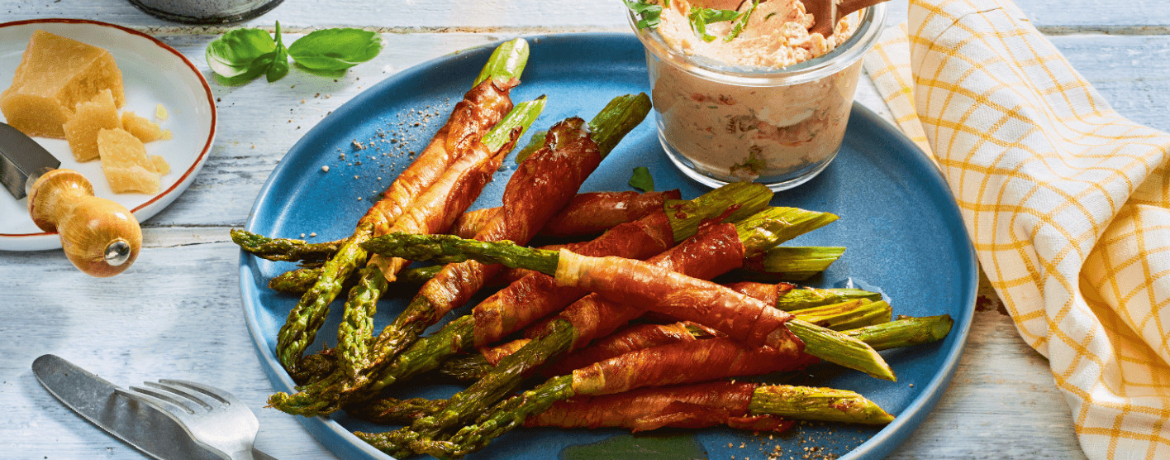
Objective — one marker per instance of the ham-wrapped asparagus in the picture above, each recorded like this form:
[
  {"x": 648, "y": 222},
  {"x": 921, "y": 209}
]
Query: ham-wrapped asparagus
[
  {"x": 541, "y": 186},
  {"x": 653, "y": 288},
  {"x": 587, "y": 213},
  {"x": 741, "y": 405},
  {"x": 900, "y": 333},
  {"x": 712, "y": 252},
  {"x": 459, "y": 139},
  {"x": 664, "y": 365},
  {"x": 538, "y": 189},
  {"x": 532, "y": 297},
  {"x": 838, "y": 317}
]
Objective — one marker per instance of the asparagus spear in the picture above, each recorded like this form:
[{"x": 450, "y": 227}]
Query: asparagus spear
[
  {"x": 791, "y": 263},
  {"x": 284, "y": 249},
  {"x": 839, "y": 317},
  {"x": 847, "y": 315},
  {"x": 586, "y": 214},
  {"x": 300, "y": 280},
  {"x": 752, "y": 406},
  {"x": 904, "y": 332},
  {"x": 480, "y": 109},
  {"x": 824, "y": 404}
]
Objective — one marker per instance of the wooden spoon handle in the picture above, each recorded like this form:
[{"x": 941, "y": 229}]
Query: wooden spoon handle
[
  {"x": 100, "y": 237},
  {"x": 834, "y": 10}
]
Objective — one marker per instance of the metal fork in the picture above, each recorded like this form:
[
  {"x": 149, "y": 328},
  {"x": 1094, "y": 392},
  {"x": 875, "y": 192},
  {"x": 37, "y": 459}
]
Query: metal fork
[{"x": 214, "y": 418}]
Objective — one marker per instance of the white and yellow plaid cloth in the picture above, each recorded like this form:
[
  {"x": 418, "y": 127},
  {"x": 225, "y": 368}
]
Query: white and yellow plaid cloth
[{"x": 1067, "y": 203}]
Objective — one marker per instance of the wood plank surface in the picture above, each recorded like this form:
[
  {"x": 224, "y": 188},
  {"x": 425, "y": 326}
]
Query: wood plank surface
[
  {"x": 186, "y": 319},
  {"x": 1053, "y": 16}
]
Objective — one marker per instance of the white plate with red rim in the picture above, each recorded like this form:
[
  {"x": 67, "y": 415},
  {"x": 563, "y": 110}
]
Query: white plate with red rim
[{"x": 152, "y": 74}]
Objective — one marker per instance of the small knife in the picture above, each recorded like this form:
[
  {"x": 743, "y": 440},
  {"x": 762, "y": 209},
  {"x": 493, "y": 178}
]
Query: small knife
[
  {"x": 144, "y": 427},
  {"x": 100, "y": 237}
]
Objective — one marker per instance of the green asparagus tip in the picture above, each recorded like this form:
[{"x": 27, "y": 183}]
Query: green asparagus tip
[
  {"x": 617, "y": 119},
  {"x": 841, "y": 349},
  {"x": 741, "y": 198},
  {"x": 507, "y": 61},
  {"x": 522, "y": 116},
  {"x": 904, "y": 332},
  {"x": 823, "y": 404},
  {"x": 776, "y": 225}
]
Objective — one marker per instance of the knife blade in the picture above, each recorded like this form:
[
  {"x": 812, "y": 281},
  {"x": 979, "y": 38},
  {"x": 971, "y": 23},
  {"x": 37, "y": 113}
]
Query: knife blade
[
  {"x": 145, "y": 428},
  {"x": 100, "y": 236},
  {"x": 21, "y": 158}
]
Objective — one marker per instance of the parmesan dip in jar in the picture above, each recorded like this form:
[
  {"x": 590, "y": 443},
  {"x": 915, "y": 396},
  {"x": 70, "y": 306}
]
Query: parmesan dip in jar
[{"x": 742, "y": 91}]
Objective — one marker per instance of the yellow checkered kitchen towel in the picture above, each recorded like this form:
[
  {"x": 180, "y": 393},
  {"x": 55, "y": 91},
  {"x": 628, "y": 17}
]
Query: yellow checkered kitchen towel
[{"x": 1067, "y": 202}]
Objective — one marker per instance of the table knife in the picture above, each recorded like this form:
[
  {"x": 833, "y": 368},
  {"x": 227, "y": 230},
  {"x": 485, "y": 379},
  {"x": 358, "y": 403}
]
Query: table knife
[
  {"x": 100, "y": 237},
  {"x": 144, "y": 427}
]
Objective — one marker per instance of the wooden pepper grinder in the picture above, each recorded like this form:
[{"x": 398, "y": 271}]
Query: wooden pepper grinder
[{"x": 101, "y": 237}]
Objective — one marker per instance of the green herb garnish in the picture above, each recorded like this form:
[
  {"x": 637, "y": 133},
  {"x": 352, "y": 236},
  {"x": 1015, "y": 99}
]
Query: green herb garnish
[
  {"x": 742, "y": 21},
  {"x": 335, "y": 49},
  {"x": 700, "y": 17},
  {"x": 649, "y": 14},
  {"x": 241, "y": 55},
  {"x": 641, "y": 179}
]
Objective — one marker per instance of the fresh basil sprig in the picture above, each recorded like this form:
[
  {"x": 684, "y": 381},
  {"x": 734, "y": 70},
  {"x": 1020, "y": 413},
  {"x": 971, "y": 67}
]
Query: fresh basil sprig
[
  {"x": 649, "y": 14},
  {"x": 642, "y": 180},
  {"x": 241, "y": 55},
  {"x": 700, "y": 17}
]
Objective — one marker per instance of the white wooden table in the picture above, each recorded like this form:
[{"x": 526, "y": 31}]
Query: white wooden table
[{"x": 177, "y": 312}]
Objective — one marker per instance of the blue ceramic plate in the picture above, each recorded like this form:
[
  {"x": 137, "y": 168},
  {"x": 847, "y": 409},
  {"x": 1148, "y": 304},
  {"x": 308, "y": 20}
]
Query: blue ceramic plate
[{"x": 898, "y": 220}]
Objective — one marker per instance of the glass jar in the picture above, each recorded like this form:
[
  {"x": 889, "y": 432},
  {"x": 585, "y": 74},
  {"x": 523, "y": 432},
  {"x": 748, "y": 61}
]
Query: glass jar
[
  {"x": 781, "y": 127},
  {"x": 206, "y": 11}
]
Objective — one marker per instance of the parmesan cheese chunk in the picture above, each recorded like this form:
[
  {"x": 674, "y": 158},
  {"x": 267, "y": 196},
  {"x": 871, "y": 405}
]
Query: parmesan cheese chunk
[
  {"x": 142, "y": 128},
  {"x": 55, "y": 75},
  {"x": 90, "y": 117},
  {"x": 125, "y": 163}
]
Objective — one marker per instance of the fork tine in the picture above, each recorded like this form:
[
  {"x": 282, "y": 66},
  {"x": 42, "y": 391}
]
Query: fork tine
[
  {"x": 219, "y": 395},
  {"x": 196, "y": 397},
  {"x": 153, "y": 398}
]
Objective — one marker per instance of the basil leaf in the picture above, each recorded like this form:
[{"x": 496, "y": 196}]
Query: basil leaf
[
  {"x": 700, "y": 17},
  {"x": 642, "y": 180},
  {"x": 649, "y": 14},
  {"x": 742, "y": 21},
  {"x": 534, "y": 144},
  {"x": 335, "y": 49},
  {"x": 240, "y": 53},
  {"x": 279, "y": 67}
]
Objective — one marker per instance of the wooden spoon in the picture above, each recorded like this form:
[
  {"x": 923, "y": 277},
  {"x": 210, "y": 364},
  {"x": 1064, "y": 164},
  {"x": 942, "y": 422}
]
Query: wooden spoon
[{"x": 833, "y": 10}]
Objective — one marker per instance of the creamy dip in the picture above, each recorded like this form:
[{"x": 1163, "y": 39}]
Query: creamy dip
[
  {"x": 776, "y": 34},
  {"x": 731, "y": 131}
]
